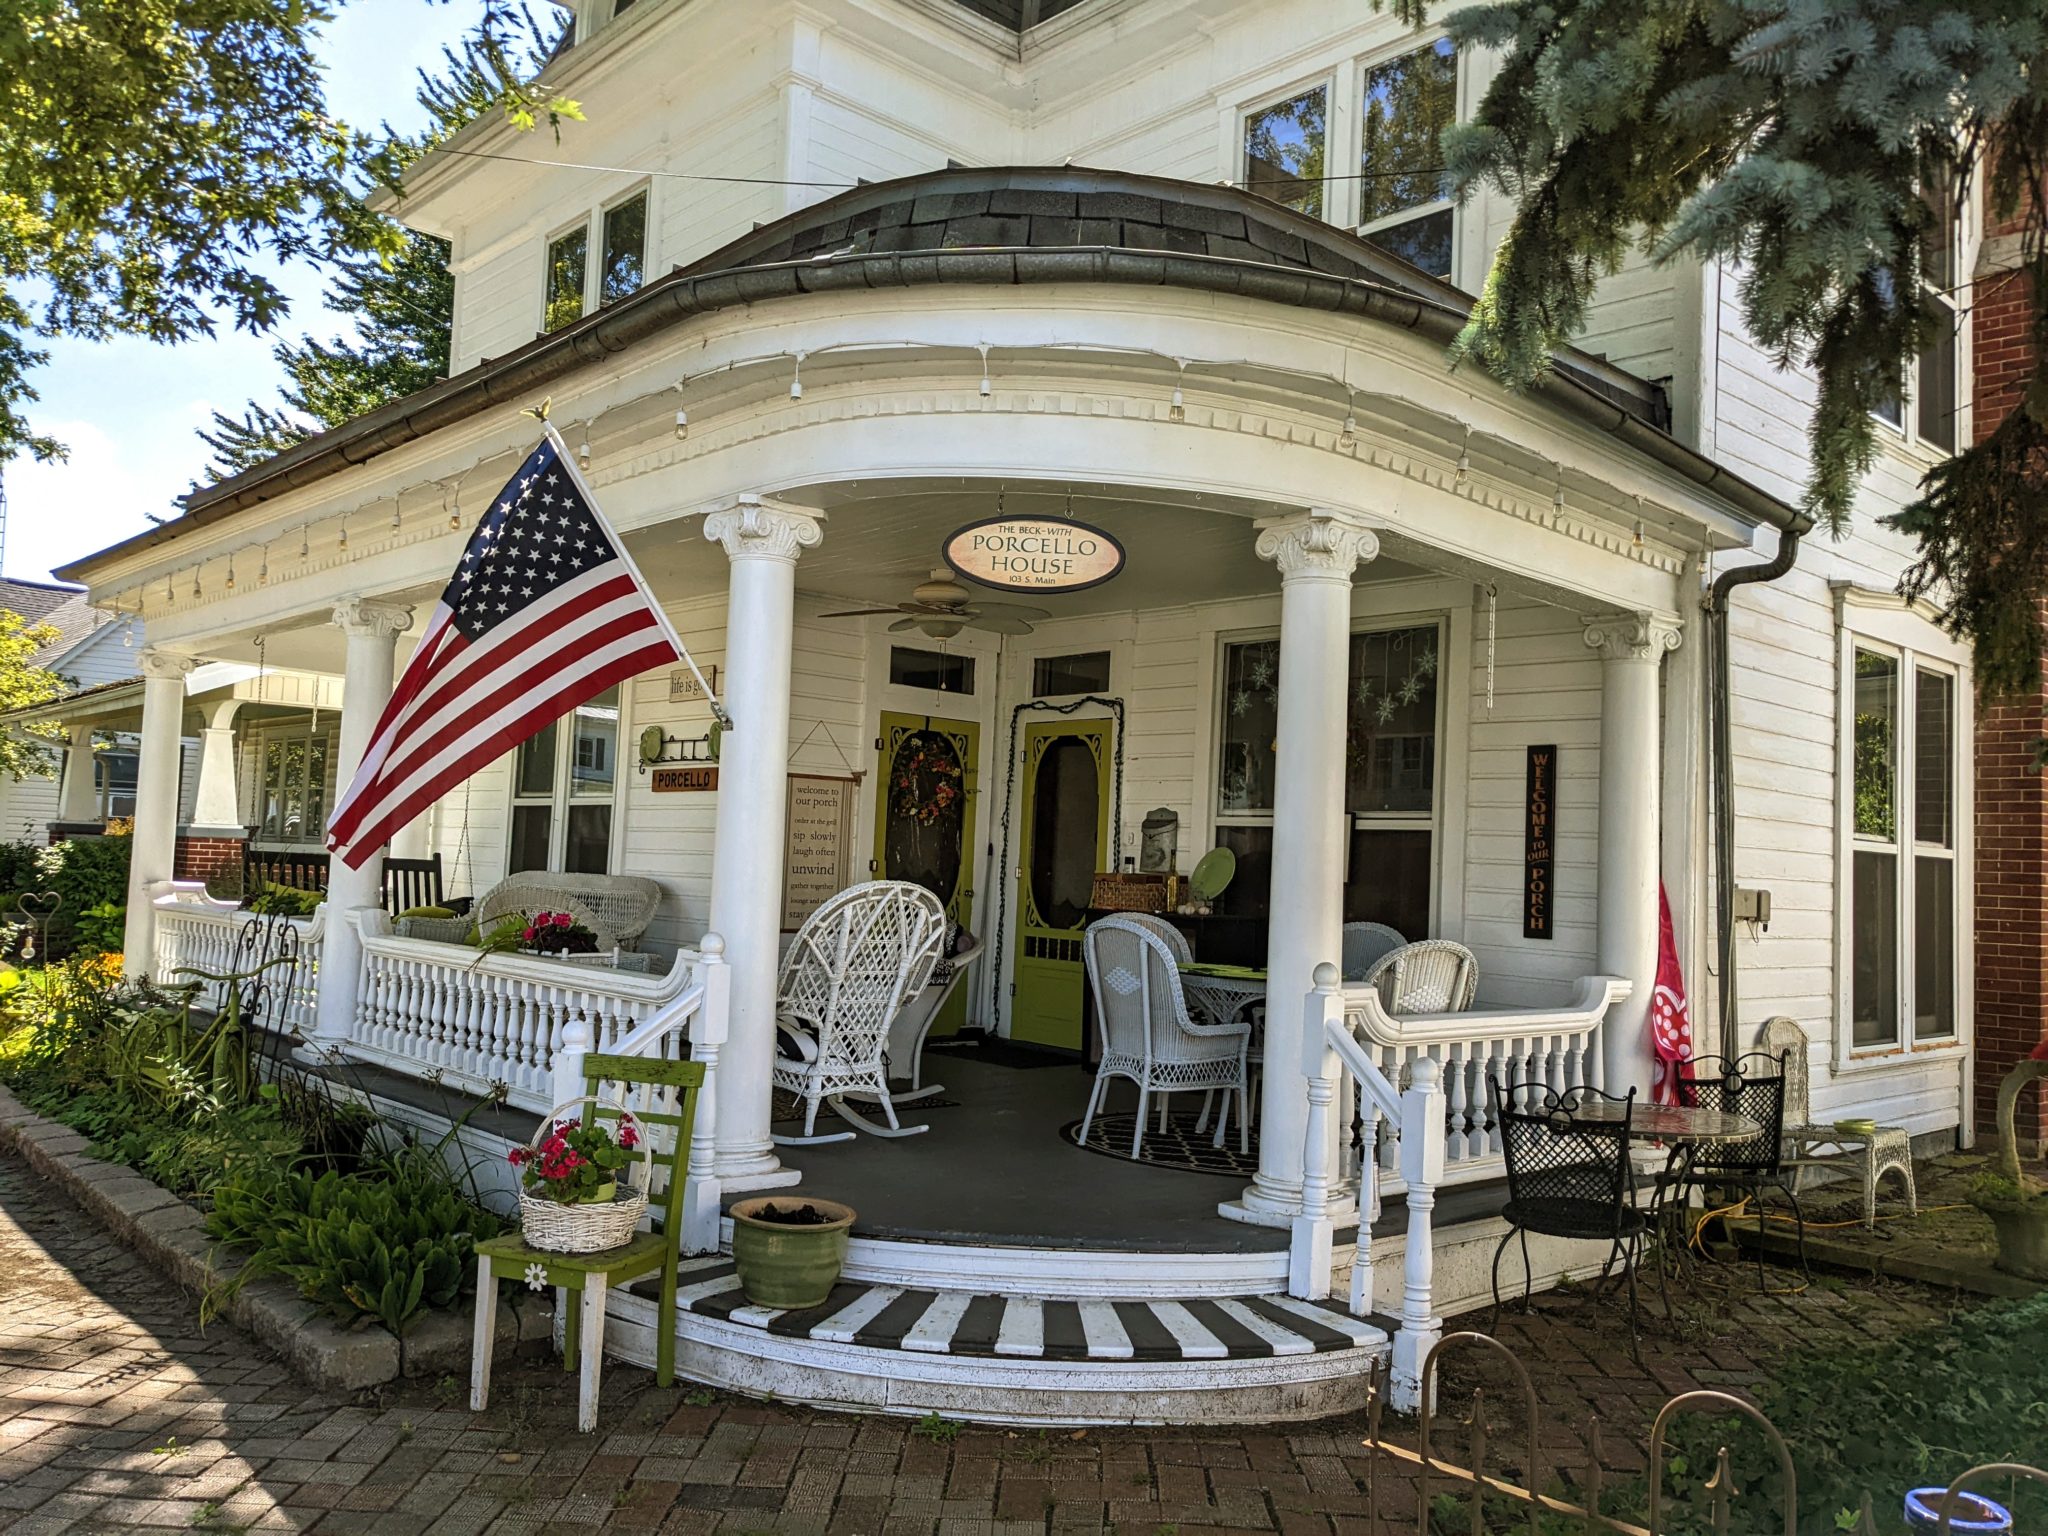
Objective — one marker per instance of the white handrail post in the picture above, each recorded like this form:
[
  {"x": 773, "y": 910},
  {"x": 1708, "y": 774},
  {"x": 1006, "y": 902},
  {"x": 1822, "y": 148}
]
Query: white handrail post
[
  {"x": 1422, "y": 1165},
  {"x": 565, "y": 1080},
  {"x": 1311, "y": 1253},
  {"x": 1368, "y": 1202},
  {"x": 702, "y": 1192}
]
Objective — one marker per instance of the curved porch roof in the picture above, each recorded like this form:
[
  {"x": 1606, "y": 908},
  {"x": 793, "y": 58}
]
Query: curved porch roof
[{"x": 1002, "y": 227}]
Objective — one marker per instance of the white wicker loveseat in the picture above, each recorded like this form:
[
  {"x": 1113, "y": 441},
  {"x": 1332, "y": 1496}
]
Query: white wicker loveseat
[{"x": 616, "y": 908}]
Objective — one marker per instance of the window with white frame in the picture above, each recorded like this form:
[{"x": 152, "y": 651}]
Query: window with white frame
[
  {"x": 565, "y": 789},
  {"x": 114, "y": 770},
  {"x": 294, "y": 763},
  {"x": 1933, "y": 382},
  {"x": 1404, "y": 197},
  {"x": 573, "y": 284},
  {"x": 1905, "y": 900},
  {"x": 1284, "y": 146},
  {"x": 1390, "y": 781}
]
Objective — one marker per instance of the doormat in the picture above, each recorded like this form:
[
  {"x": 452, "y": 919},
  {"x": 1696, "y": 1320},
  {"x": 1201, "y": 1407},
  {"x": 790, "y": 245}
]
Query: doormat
[
  {"x": 998, "y": 1052},
  {"x": 1180, "y": 1146}
]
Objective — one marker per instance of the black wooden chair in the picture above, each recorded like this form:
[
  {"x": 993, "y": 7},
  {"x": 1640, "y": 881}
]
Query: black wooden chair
[
  {"x": 301, "y": 869},
  {"x": 1752, "y": 1086},
  {"x": 1568, "y": 1176},
  {"x": 410, "y": 883}
]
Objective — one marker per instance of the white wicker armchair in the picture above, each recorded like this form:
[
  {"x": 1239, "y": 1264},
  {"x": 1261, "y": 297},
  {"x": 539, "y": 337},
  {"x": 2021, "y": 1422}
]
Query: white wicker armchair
[
  {"x": 850, "y": 969},
  {"x": 1428, "y": 976},
  {"x": 1365, "y": 944},
  {"x": 1148, "y": 1034},
  {"x": 617, "y": 908},
  {"x": 1888, "y": 1149}
]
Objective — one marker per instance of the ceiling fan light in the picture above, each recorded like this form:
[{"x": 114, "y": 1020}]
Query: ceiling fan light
[{"x": 942, "y": 629}]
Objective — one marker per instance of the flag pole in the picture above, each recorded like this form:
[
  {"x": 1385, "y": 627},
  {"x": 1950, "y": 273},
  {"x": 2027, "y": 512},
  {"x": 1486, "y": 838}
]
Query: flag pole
[{"x": 568, "y": 461}]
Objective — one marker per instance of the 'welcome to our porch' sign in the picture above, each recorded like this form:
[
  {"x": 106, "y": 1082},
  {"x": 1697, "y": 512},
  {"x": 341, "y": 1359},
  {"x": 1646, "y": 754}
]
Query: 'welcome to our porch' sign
[
  {"x": 1539, "y": 843},
  {"x": 818, "y": 843},
  {"x": 1034, "y": 554}
]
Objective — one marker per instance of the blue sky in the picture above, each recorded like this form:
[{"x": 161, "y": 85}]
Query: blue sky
[{"x": 127, "y": 409}]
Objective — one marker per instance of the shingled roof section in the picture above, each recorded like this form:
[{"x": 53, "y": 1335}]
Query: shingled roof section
[{"x": 63, "y": 608}]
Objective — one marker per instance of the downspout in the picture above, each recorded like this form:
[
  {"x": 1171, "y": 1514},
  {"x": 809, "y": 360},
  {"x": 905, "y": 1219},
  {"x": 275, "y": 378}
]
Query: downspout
[{"x": 1721, "y": 767}]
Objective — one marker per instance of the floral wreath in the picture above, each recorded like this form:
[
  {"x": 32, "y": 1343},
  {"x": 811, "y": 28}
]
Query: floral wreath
[{"x": 926, "y": 787}]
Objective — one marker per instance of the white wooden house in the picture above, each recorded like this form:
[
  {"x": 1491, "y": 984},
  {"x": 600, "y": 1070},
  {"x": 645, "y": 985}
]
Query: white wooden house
[{"x": 812, "y": 288}]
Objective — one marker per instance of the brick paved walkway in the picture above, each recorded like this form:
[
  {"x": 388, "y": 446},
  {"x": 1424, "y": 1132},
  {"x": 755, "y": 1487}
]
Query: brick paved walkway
[{"x": 117, "y": 1413}]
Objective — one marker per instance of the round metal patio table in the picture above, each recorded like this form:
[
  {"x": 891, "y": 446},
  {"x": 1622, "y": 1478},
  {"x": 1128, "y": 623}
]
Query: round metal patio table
[{"x": 1685, "y": 1129}]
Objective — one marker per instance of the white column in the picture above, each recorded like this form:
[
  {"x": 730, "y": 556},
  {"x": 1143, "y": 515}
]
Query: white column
[
  {"x": 154, "y": 848},
  {"x": 217, "y": 807},
  {"x": 1316, "y": 552},
  {"x": 78, "y": 798},
  {"x": 1631, "y": 646},
  {"x": 373, "y": 630},
  {"x": 762, "y": 539}
]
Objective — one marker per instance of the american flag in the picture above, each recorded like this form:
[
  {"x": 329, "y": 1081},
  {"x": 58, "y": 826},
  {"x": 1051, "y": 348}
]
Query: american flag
[{"x": 545, "y": 612}]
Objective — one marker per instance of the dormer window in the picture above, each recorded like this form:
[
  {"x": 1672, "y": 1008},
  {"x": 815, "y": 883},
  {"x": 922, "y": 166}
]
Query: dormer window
[
  {"x": 1404, "y": 200},
  {"x": 1283, "y": 150},
  {"x": 573, "y": 287}
]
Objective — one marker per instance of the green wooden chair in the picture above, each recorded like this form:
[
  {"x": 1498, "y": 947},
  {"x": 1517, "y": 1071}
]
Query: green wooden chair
[{"x": 586, "y": 1278}]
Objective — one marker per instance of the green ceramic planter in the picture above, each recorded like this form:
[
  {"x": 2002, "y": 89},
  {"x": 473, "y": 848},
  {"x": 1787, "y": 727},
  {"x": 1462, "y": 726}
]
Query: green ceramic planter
[{"x": 788, "y": 1266}]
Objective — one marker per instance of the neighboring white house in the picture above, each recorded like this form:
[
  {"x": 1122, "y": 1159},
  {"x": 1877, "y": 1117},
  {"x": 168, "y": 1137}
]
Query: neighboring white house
[{"x": 858, "y": 276}]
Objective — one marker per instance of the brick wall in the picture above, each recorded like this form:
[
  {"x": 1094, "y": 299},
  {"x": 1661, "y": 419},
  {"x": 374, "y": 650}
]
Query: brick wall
[
  {"x": 2012, "y": 792},
  {"x": 202, "y": 858}
]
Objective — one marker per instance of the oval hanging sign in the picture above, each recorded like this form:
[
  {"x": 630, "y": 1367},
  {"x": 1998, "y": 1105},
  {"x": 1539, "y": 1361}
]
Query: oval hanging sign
[{"x": 1034, "y": 554}]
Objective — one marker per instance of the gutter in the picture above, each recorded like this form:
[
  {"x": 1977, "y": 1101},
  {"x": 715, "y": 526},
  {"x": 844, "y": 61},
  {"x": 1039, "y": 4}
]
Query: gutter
[{"x": 1721, "y": 767}]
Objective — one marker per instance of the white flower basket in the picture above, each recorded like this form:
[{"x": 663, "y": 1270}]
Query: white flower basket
[{"x": 590, "y": 1227}]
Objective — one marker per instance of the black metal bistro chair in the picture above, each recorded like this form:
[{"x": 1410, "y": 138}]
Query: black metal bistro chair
[
  {"x": 1752, "y": 1086},
  {"x": 1568, "y": 1176}
]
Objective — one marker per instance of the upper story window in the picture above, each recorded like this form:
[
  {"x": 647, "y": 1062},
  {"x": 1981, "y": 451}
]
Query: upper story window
[
  {"x": 573, "y": 285},
  {"x": 1933, "y": 387},
  {"x": 1283, "y": 150},
  {"x": 564, "y": 785},
  {"x": 1404, "y": 200}
]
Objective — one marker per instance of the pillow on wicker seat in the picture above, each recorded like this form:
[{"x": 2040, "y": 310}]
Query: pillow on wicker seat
[{"x": 441, "y": 930}]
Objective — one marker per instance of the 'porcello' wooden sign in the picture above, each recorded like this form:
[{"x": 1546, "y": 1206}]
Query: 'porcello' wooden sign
[
  {"x": 692, "y": 779},
  {"x": 1034, "y": 554},
  {"x": 1539, "y": 844}
]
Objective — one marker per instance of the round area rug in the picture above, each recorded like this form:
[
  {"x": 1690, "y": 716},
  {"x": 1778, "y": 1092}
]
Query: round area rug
[{"x": 1179, "y": 1146}]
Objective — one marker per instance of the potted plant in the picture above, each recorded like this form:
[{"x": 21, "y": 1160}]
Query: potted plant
[
  {"x": 789, "y": 1251},
  {"x": 570, "y": 1199},
  {"x": 2016, "y": 1204}
]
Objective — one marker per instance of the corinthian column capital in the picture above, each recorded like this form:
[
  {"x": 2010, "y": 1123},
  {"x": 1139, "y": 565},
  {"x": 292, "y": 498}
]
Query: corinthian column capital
[
  {"x": 756, "y": 528},
  {"x": 1317, "y": 545}
]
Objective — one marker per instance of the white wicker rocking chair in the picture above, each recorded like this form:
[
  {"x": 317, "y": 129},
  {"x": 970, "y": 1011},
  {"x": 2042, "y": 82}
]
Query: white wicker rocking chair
[
  {"x": 1428, "y": 976},
  {"x": 1148, "y": 1033},
  {"x": 1365, "y": 945},
  {"x": 852, "y": 966}
]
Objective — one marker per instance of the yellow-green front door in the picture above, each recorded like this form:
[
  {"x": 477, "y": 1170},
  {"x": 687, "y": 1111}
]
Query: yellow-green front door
[
  {"x": 1063, "y": 842},
  {"x": 924, "y": 820}
]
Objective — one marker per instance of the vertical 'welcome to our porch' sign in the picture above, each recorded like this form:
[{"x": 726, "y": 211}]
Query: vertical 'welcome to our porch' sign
[{"x": 1539, "y": 843}]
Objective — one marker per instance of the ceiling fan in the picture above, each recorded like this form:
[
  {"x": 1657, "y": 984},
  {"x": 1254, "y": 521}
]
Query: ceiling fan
[{"x": 941, "y": 608}]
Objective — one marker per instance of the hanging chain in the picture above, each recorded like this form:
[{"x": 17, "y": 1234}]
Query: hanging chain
[
  {"x": 1492, "y": 626},
  {"x": 1116, "y": 820}
]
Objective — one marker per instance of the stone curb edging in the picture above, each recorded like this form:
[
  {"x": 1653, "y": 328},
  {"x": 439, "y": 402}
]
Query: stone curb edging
[{"x": 171, "y": 1236}]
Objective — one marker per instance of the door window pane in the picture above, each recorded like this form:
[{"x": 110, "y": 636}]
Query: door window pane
[
  {"x": 1066, "y": 814},
  {"x": 1934, "y": 758},
  {"x": 1390, "y": 741},
  {"x": 1251, "y": 718},
  {"x": 530, "y": 825},
  {"x": 567, "y": 259},
  {"x": 534, "y": 771},
  {"x": 1283, "y": 151},
  {"x": 1934, "y": 948},
  {"x": 1408, "y": 103},
  {"x": 625, "y": 250},
  {"x": 588, "y": 849},
  {"x": 593, "y": 767},
  {"x": 1874, "y": 991},
  {"x": 1876, "y": 761}
]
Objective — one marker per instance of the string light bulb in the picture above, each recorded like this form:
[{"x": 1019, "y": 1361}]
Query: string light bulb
[
  {"x": 1348, "y": 438},
  {"x": 986, "y": 388},
  {"x": 304, "y": 548},
  {"x": 796, "y": 381},
  {"x": 1177, "y": 408},
  {"x": 195, "y": 581},
  {"x": 231, "y": 573},
  {"x": 583, "y": 449},
  {"x": 453, "y": 507},
  {"x": 169, "y": 595},
  {"x": 1557, "y": 496},
  {"x": 1639, "y": 522},
  {"x": 397, "y": 507},
  {"x": 343, "y": 542},
  {"x": 682, "y": 425},
  {"x": 1465, "y": 457},
  {"x": 263, "y": 568}
]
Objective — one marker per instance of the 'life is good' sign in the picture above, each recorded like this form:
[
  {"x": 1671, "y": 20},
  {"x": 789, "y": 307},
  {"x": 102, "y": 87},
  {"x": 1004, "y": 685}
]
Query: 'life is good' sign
[{"x": 1034, "y": 554}]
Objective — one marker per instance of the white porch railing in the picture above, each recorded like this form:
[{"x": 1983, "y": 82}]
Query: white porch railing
[
  {"x": 195, "y": 931},
  {"x": 1558, "y": 1046},
  {"x": 478, "y": 1021}
]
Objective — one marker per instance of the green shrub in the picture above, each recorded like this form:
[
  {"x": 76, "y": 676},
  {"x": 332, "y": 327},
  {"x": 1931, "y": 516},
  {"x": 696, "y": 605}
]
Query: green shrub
[
  {"x": 101, "y": 929},
  {"x": 18, "y": 871},
  {"x": 384, "y": 1245},
  {"x": 289, "y": 900},
  {"x": 87, "y": 872}
]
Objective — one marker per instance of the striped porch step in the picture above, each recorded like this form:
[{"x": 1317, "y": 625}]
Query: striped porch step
[{"x": 966, "y": 1324}]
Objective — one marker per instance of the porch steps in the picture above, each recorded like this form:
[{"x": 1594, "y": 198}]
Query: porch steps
[{"x": 1015, "y": 1359}]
